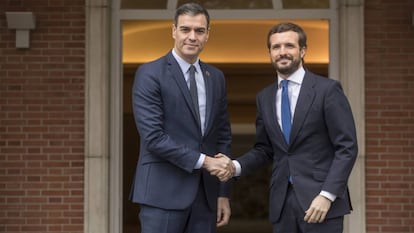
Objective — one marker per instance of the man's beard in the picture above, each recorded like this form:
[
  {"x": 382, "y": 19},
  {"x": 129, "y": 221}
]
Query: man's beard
[{"x": 290, "y": 69}]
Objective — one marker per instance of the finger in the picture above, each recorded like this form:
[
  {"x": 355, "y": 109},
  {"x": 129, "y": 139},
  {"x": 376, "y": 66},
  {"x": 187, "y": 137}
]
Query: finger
[
  {"x": 233, "y": 169},
  {"x": 223, "y": 178},
  {"x": 219, "y": 215},
  {"x": 315, "y": 217},
  {"x": 227, "y": 176},
  {"x": 307, "y": 215},
  {"x": 214, "y": 172},
  {"x": 221, "y": 172},
  {"x": 310, "y": 215},
  {"x": 220, "y": 155},
  {"x": 323, "y": 216},
  {"x": 224, "y": 219}
]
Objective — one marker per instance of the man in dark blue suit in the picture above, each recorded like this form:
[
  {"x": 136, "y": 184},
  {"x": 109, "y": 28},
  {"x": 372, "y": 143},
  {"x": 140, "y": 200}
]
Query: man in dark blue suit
[
  {"x": 305, "y": 128},
  {"x": 180, "y": 110}
]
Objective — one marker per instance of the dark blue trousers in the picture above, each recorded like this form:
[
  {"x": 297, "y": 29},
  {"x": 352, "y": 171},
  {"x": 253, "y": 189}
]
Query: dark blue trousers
[
  {"x": 291, "y": 220},
  {"x": 198, "y": 218}
]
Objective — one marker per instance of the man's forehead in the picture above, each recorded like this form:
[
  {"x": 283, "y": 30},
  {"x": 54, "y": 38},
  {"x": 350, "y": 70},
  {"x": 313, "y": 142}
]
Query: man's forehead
[
  {"x": 198, "y": 21},
  {"x": 191, "y": 26},
  {"x": 285, "y": 36}
]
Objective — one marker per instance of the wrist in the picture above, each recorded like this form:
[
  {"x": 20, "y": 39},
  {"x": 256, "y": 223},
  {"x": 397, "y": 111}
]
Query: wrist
[
  {"x": 331, "y": 197},
  {"x": 206, "y": 161}
]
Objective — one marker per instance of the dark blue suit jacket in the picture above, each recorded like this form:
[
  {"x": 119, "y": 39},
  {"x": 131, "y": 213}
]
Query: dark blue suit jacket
[
  {"x": 322, "y": 150},
  {"x": 171, "y": 140}
]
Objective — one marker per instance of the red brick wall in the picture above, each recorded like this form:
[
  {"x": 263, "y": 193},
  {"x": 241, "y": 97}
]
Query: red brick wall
[
  {"x": 389, "y": 68},
  {"x": 42, "y": 119}
]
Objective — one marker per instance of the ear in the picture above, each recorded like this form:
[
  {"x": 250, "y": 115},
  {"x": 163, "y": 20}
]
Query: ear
[
  {"x": 207, "y": 35},
  {"x": 174, "y": 31},
  {"x": 302, "y": 52}
]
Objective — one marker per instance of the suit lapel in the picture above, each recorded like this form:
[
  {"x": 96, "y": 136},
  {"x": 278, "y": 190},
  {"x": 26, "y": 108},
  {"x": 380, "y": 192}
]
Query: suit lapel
[
  {"x": 269, "y": 109},
  {"x": 305, "y": 100},
  {"x": 178, "y": 76},
  {"x": 209, "y": 94},
  {"x": 274, "y": 112}
]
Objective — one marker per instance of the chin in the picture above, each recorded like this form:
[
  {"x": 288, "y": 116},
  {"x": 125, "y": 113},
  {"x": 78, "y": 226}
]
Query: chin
[
  {"x": 192, "y": 53},
  {"x": 283, "y": 67}
]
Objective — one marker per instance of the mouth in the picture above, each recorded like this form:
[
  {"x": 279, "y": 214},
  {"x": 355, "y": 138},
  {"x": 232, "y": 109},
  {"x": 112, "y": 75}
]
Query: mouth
[
  {"x": 283, "y": 61},
  {"x": 192, "y": 45}
]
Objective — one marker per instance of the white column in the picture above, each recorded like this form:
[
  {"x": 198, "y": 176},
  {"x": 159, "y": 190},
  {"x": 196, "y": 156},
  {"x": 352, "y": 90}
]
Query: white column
[
  {"x": 352, "y": 77},
  {"x": 97, "y": 117}
]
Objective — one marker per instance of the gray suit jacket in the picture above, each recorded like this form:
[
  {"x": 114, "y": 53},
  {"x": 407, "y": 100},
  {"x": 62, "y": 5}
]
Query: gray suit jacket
[
  {"x": 171, "y": 140},
  {"x": 322, "y": 149}
]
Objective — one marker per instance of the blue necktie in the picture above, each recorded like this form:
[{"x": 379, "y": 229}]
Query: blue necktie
[{"x": 286, "y": 114}]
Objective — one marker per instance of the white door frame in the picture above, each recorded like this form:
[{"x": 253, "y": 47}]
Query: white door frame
[{"x": 103, "y": 94}]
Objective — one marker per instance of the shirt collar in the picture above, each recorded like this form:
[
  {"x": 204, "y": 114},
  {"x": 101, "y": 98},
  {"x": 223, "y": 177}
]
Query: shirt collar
[
  {"x": 185, "y": 65},
  {"x": 296, "y": 77}
]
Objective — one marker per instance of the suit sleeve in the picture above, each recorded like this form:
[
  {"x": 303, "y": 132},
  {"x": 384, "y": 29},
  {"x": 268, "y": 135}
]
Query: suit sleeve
[
  {"x": 149, "y": 118},
  {"x": 341, "y": 129},
  {"x": 262, "y": 153}
]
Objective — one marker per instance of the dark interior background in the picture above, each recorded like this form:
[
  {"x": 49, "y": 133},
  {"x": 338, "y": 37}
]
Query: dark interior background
[{"x": 249, "y": 200}]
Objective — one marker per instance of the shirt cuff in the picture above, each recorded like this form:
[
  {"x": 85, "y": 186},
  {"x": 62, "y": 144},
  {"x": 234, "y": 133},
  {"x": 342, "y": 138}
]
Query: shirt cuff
[
  {"x": 200, "y": 161},
  {"x": 328, "y": 195},
  {"x": 238, "y": 168}
]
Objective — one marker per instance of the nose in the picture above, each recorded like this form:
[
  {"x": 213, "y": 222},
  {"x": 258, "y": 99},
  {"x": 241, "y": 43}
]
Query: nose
[
  {"x": 192, "y": 35},
  {"x": 282, "y": 50}
]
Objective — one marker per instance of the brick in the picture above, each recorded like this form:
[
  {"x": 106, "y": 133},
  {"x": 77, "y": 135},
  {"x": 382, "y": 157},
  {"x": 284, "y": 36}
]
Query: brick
[
  {"x": 389, "y": 114},
  {"x": 32, "y": 93}
]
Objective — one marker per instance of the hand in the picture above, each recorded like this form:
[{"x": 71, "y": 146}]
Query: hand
[
  {"x": 317, "y": 210},
  {"x": 220, "y": 166},
  {"x": 223, "y": 211},
  {"x": 231, "y": 169}
]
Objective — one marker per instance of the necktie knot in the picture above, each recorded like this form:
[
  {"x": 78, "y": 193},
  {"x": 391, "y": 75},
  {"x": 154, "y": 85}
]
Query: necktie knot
[
  {"x": 192, "y": 69},
  {"x": 284, "y": 83}
]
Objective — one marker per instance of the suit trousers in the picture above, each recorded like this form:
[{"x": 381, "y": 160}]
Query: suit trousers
[
  {"x": 291, "y": 220},
  {"x": 198, "y": 218}
]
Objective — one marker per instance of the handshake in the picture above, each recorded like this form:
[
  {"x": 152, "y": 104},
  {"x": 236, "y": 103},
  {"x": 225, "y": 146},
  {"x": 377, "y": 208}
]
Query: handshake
[{"x": 221, "y": 166}]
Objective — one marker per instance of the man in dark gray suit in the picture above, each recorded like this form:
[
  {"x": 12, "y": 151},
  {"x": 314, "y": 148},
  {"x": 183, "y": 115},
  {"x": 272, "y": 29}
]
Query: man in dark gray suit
[
  {"x": 305, "y": 128},
  {"x": 180, "y": 110}
]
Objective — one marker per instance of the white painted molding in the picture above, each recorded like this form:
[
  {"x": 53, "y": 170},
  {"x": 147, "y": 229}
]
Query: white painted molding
[
  {"x": 116, "y": 128},
  {"x": 96, "y": 196},
  {"x": 351, "y": 50},
  {"x": 103, "y": 110}
]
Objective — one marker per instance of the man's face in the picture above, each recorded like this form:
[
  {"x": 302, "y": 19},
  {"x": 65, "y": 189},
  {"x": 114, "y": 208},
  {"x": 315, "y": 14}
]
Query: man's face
[
  {"x": 190, "y": 35},
  {"x": 285, "y": 53}
]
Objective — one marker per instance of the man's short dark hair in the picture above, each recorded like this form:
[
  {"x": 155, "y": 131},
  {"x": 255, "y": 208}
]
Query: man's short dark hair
[
  {"x": 284, "y": 27},
  {"x": 191, "y": 9}
]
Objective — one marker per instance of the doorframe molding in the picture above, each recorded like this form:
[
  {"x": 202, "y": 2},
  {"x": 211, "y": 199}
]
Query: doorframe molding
[{"x": 103, "y": 98}]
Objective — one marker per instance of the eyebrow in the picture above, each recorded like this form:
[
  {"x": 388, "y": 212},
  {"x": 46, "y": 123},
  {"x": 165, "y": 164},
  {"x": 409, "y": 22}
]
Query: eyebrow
[{"x": 184, "y": 26}]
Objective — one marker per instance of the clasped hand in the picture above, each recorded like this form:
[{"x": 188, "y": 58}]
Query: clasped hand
[{"x": 220, "y": 166}]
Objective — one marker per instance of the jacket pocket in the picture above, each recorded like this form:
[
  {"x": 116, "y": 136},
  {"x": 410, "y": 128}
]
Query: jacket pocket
[{"x": 320, "y": 175}]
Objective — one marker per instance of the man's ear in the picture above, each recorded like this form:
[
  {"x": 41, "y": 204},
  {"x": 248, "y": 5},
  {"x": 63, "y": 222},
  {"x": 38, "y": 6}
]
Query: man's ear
[
  {"x": 302, "y": 52},
  {"x": 173, "y": 31}
]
